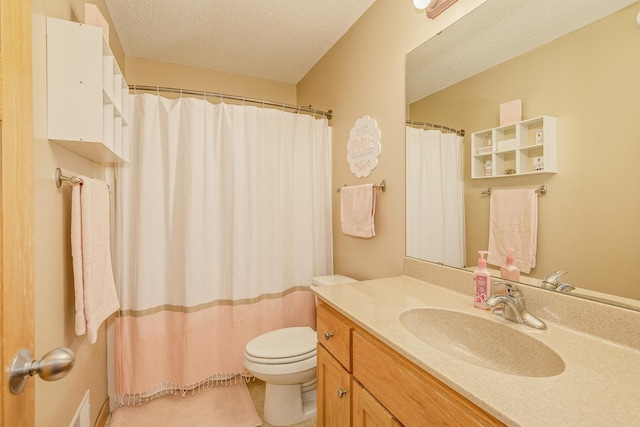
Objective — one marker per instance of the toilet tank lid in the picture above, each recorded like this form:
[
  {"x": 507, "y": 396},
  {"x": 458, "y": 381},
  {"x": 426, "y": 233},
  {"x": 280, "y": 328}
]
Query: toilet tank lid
[{"x": 332, "y": 279}]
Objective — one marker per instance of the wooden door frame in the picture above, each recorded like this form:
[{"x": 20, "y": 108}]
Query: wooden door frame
[{"x": 16, "y": 203}]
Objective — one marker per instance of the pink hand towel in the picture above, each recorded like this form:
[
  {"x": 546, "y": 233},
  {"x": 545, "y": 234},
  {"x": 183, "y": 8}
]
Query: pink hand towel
[
  {"x": 357, "y": 210},
  {"x": 513, "y": 223},
  {"x": 95, "y": 291}
]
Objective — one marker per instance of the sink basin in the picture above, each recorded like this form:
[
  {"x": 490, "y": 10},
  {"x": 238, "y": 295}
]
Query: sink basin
[{"x": 483, "y": 342}]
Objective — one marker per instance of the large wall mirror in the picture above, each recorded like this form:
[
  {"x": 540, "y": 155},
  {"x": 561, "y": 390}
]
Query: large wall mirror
[{"x": 578, "y": 61}]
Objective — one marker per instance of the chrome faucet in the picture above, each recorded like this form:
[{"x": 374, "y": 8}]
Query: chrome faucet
[
  {"x": 553, "y": 283},
  {"x": 513, "y": 307}
]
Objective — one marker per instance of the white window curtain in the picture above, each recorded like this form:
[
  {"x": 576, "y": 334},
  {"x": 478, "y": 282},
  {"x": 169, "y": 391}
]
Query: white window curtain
[
  {"x": 223, "y": 217},
  {"x": 435, "y": 197}
]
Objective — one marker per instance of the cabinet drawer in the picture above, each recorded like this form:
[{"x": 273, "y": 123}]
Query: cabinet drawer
[
  {"x": 334, "y": 334},
  {"x": 424, "y": 401}
]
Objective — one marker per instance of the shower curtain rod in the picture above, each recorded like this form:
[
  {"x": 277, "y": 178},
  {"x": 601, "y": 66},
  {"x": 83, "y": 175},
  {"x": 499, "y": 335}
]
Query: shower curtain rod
[
  {"x": 297, "y": 108},
  {"x": 425, "y": 125}
]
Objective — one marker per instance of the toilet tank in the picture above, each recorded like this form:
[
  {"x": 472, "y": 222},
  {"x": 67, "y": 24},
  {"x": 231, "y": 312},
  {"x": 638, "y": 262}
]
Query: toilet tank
[{"x": 332, "y": 279}]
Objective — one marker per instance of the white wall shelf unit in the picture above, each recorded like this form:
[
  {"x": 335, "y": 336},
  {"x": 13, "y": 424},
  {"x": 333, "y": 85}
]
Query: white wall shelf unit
[
  {"x": 522, "y": 148},
  {"x": 88, "y": 97}
]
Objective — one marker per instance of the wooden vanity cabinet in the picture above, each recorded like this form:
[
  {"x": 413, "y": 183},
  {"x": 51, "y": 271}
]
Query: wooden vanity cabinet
[
  {"x": 415, "y": 397},
  {"x": 334, "y": 368},
  {"x": 363, "y": 382}
]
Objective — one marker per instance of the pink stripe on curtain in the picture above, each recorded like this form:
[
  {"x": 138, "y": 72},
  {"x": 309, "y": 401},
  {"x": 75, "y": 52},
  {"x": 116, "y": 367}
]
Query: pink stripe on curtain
[{"x": 169, "y": 351}]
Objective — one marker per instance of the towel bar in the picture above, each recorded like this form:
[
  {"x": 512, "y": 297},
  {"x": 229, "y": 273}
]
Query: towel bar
[
  {"x": 382, "y": 186},
  {"x": 73, "y": 180},
  {"x": 542, "y": 190}
]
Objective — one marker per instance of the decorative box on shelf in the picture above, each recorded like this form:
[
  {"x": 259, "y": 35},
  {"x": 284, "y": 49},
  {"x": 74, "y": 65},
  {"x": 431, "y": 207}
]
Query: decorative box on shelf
[{"x": 525, "y": 147}]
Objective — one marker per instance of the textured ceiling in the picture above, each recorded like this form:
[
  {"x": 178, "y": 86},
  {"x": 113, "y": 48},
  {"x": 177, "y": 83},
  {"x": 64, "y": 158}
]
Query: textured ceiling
[
  {"x": 495, "y": 32},
  {"x": 276, "y": 40}
]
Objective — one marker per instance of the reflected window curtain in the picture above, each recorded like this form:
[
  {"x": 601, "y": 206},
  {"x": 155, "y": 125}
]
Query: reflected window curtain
[
  {"x": 223, "y": 217},
  {"x": 435, "y": 197}
]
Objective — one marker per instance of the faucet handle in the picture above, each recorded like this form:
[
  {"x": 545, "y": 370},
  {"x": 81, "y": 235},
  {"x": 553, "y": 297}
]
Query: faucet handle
[
  {"x": 513, "y": 290},
  {"x": 553, "y": 279}
]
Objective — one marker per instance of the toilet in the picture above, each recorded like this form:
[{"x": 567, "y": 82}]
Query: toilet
[{"x": 285, "y": 359}]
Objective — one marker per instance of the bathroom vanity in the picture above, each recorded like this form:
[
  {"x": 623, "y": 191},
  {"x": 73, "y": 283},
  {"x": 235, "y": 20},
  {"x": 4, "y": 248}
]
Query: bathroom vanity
[
  {"x": 376, "y": 368},
  {"x": 362, "y": 379}
]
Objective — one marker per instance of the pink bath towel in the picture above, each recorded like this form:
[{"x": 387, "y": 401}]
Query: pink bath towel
[
  {"x": 358, "y": 209},
  {"x": 513, "y": 223},
  {"x": 95, "y": 290}
]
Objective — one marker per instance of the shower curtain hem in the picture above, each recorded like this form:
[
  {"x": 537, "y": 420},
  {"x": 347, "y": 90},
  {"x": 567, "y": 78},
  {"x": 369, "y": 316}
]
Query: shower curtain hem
[{"x": 167, "y": 389}]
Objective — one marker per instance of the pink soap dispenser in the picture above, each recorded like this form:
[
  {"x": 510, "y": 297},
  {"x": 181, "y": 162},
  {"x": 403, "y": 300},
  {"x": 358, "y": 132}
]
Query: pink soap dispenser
[
  {"x": 510, "y": 271},
  {"x": 482, "y": 282}
]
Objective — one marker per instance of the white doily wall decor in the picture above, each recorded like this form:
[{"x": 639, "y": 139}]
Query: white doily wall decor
[{"x": 363, "y": 147}]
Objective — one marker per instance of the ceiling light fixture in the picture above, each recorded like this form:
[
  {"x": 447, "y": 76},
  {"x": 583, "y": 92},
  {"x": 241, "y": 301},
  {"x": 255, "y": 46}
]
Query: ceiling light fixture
[{"x": 433, "y": 7}]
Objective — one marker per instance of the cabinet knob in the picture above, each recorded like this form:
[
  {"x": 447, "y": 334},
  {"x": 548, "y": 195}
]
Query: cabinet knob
[
  {"x": 328, "y": 335},
  {"x": 341, "y": 393}
]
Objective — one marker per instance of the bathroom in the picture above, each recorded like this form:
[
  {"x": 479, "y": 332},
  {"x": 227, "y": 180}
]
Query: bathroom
[{"x": 332, "y": 83}]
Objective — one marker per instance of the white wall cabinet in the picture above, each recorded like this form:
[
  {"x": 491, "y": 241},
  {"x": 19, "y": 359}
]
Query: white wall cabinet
[
  {"x": 88, "y": 97},
  {"x": 526, "y": 147}
]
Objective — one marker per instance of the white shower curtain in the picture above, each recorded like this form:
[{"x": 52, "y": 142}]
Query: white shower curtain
[
  {"x": 223, "y": 217},
  {"x": 435, "y": 197}
]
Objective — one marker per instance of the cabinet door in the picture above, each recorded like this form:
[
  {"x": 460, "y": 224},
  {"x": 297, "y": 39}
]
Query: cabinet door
[
  {"x": 334, "y": 392},
  {"x": 368, "y": 412}
]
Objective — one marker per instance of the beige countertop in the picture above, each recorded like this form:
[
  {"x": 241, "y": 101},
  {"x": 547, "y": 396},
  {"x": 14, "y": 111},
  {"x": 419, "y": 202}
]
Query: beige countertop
[{"x": 600, "y": 385}]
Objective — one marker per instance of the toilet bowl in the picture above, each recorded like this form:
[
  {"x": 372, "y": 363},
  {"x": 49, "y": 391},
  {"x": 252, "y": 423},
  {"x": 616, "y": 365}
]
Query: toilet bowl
[{"x": 285, "y": 359}]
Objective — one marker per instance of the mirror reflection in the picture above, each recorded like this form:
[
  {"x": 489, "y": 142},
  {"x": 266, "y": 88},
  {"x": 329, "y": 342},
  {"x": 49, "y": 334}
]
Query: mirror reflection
[{"x": 587, "y": 79}]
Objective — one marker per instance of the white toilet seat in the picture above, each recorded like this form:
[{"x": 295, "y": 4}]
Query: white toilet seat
[
  {"x": 282, "y": 346},
  {"x": 279, "y": 361}
]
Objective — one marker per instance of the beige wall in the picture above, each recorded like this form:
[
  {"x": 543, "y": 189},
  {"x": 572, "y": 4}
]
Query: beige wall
[
  {"x": 153, "y": 73},
  {"x": 363, "y": 74},
  {"x": 57, "y": 402},
  {"x": 589, "y": 81}
]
